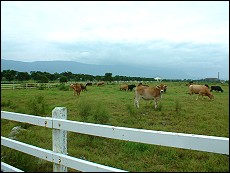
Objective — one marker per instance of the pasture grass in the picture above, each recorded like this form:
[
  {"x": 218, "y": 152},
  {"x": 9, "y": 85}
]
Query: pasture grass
[{"x": 177, "y": 112}]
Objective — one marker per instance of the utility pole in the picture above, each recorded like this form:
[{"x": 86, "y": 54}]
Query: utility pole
[{"x": 218, "y": 75}]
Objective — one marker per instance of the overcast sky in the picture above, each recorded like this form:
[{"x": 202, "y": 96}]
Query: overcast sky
[{"x": 192, "y": 36}]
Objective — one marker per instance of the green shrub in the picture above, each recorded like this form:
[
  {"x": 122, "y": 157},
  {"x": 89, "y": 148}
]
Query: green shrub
[
  {"x": 177, "y": 106},
  {"x": 63, "y": 87},
  {"x": 37, "y": 105},
  {"x": 6, "y": 103},
  {"x": 63, "y": 79},
  {"x": 131, "y": 110},
  {"x": 101, "y": 114},
  {"x": 85, "y": 110}
]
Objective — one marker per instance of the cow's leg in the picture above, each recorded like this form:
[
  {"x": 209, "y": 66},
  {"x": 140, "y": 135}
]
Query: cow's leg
[
  {"x": 191, "y": 95},
  {"x": 155, "y": 104},
  {"x": 136, "y": 101},
  {"x": 197, "y": 96}
]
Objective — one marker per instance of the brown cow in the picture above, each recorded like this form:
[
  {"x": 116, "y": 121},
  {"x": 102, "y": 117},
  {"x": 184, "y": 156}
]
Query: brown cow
[
  {"x": 148, "y": 93},
  {"x": 77, "y": 88},
  {"x": 83, "y": 88},
  {"x": 100, "y": 83},
  {"x": 124, "y": 87},
  {"x": 201, "y": 90}
]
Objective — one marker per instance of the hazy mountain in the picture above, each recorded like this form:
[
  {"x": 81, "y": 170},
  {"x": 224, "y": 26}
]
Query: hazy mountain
[{"x": 92, "y": 69}]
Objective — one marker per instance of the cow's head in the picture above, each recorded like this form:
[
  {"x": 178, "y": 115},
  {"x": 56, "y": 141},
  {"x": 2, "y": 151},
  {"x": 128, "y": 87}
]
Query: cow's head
[
  {"x": 71, "y": 85},
  {"x": 211, "y": 96},
  {"x": 161, "y": 87}
]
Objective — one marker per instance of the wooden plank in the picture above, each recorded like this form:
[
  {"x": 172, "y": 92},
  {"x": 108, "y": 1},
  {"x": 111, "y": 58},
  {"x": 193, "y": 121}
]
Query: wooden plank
[
  {"x": 83, "y": 165},
  {"x": 69, "y": 161},
  {"x": 8, "y": 168},
  {"x": 179, "y": 140},
  {"x": 59, "y": 138},
  {"x": 25, "y": 118},
  {"x": 26, "y": 148}
]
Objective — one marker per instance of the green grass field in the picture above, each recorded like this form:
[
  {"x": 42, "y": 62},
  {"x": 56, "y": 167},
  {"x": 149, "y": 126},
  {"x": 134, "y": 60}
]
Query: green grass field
[{"x": 177, "y": 112}]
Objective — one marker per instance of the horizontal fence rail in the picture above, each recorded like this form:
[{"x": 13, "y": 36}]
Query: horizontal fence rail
[
  {"x": 204, "y": 143},
  {"x": 72, "y": 162},
  {"x": 25, "y": 118},
  {"x": 180, "y": 140},
  {"x": 8, "y": 168},
  {"x": 28, "y": 85}
]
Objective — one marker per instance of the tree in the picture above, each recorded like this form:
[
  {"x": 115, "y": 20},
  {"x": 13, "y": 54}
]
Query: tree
[
  {"x": 41, "y": 78},
  {"x": 108, "y": 77},
  {"x": 68, "y": 74},
  {"x": 9, "y": 74},
  {"x": 21, "y": 76},
  {"x": 63, "y": 79}
]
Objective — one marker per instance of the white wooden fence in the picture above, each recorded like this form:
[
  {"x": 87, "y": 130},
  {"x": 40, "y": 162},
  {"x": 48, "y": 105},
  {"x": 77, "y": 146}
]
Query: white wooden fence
[
  {"x": 60, "y": 126},
  {"x": 28, "y": 85}
]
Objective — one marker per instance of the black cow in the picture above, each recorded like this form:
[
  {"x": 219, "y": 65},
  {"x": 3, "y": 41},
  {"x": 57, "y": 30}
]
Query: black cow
[
  {"x": 206, "y": 85},
  {"x": 130, "y": 87},
  {"x": 216, "y": 88},
  {"x": 89, "y": 84}
]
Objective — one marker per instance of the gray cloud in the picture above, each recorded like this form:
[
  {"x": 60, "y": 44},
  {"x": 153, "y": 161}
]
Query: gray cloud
[{"x": 191, "y": 36}]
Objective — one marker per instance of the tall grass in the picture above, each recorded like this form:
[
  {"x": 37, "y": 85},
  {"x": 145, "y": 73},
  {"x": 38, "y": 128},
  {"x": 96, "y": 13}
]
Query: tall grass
[{"x": 37, "y": 105}]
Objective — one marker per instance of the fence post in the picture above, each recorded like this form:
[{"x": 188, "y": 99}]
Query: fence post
[{"x": 59, "y": 138}]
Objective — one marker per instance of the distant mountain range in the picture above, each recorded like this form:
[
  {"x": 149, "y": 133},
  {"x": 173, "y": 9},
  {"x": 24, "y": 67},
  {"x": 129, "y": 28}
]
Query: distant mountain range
[{"x": 92, "y": 69}]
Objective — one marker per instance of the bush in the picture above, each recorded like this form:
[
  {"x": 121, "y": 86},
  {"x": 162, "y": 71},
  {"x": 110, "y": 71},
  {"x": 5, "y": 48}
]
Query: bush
[
  {"x": 177, "y": 106},
  {"x": 101, "y": 114},
  {"x": 63, "y": 87},
  {"x": 63, "y": 79},
  {"x": 85, "y": 110},
  {"x": 37, "y": 106},
  {"x": 6, "y": 103}
]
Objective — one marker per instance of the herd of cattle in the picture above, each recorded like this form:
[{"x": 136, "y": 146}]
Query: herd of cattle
[{"x": 152, "y": 92}]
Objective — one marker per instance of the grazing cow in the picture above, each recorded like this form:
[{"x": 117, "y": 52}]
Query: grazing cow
[
  {"x": 100, "y": 83},
  {"x": 216, "y": 88},
  {"x": 130, "y": 87},
  {"x": 89, "y": 84},
  {"x": 191, "y": 83},
  {"x": 200, "y": 90},
  {"x": 77, "y": 88},
  {"x": 147, "y": 93},
  {"x": 83, "y": 88},
  {"x": 124, "y": 87}
]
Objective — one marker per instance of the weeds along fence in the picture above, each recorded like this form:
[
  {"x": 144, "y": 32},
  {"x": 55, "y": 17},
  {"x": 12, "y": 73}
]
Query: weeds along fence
[{"x": 60, "y": 125}]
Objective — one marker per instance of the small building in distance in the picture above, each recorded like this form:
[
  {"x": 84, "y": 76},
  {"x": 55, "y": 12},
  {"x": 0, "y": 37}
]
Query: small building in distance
[{"x": 212, "y": 79}]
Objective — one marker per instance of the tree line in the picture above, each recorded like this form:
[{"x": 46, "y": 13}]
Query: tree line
[{"x": 45, "y": 77}]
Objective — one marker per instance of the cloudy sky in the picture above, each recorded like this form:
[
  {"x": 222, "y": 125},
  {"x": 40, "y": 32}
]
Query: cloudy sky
[{"x": 190, "y": 36}]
